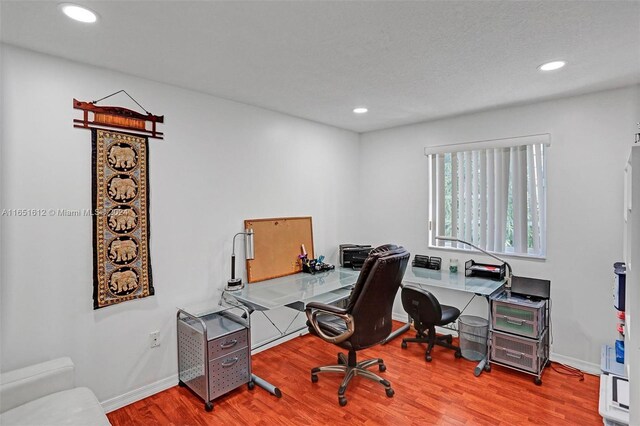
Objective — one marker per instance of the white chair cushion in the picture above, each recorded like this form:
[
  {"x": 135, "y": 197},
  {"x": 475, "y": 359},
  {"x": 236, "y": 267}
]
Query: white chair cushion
[{"x": 77, "y": 406}]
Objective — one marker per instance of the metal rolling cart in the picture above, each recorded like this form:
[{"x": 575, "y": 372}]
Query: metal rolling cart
[
  {"x": 214, "y": 349},
  {"x": 520, "y": 329}
]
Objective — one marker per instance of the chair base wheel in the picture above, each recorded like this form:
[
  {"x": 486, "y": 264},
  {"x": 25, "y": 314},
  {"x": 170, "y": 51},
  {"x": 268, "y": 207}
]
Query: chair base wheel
[
  {"x": 208, "y": 406},
  {"x": 487, "y": 368},
  {"x": 382, "y": 368},
  {"x": 251, "y": 384},
  {"x": 427, "y": 357},
  {"x": 537, "y": 381},
  {"x": 458, "y": 354},
  {"x": 342, "y": 401},
  {"x": 389, "y": 392},
  {"x": 314, "y": 378},
  {"x": 404, "y": 345}
]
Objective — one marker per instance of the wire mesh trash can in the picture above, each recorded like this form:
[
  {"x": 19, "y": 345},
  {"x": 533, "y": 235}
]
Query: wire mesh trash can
[{"x": 473, "y": 333}]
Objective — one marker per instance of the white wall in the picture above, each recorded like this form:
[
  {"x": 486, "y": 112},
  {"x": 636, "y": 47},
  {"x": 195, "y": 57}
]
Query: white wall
[
  {"x": 591, "y": 137},
  {"x": 220, "y": 163}
]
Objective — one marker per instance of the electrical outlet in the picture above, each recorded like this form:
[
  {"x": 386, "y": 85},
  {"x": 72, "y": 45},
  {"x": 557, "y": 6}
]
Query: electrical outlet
[{"x": 154, "y": 339}]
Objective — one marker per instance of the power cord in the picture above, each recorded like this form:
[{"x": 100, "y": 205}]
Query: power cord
[{"x": 567, "y": 370}]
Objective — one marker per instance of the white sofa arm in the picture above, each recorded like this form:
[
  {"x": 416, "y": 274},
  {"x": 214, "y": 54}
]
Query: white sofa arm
[{"x": 20, "y": 386}]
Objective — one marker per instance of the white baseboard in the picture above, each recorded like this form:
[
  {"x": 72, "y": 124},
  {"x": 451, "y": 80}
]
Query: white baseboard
[{"x": 137, "y": 394}]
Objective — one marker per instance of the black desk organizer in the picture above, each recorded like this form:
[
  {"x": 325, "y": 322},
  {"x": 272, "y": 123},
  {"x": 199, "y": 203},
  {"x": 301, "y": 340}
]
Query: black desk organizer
[
  {"x": 427, "y": 262},
  {"x": 485, "y": 270}
]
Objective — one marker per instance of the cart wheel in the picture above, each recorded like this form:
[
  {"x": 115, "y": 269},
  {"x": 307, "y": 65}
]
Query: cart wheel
[
  {"x": 537, "y": 381},
  {"x": 181, "y": 384},
  {"x": 342, "y": 401},
  {"x": 251, "y": 384},
  {"x": 382, "y": 368},
  {"x": 458, "y": 354},
  {"x": 314, "y": 378},
  {"x": 208, "y": 406},
  {"x": 487, "y": 368},
  {"x": 404, "y": 345},
  {"x": 389, "y": 392}
]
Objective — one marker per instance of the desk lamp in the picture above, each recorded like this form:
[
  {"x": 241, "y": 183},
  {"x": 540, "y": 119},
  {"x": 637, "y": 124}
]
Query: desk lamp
[
  {"x": 236, "y": 283},
  {"x": 507, "y": 284}
]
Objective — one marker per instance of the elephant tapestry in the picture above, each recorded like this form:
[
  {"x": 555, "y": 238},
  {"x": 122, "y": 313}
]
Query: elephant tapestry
[{"x": 122, "y": 267}]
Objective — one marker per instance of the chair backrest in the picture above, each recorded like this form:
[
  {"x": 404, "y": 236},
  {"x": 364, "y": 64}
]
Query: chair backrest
[
  {"x": 422, "y": 306},
  {"x": 371, "y": 301}
]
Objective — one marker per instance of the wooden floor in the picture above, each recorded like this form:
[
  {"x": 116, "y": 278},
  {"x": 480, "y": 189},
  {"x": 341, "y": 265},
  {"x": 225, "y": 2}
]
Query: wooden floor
[{"x": 443, "y": 392}]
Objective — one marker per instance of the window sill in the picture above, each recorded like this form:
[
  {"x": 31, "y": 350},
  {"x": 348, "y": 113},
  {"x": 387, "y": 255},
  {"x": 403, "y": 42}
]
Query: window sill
[{"x": 502, "y": 255}]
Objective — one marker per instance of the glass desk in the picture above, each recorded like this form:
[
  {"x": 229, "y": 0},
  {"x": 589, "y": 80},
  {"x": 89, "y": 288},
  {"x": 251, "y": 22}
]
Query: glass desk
[
  {"x": 425, "y": 278},
  {"x": 294, "y": 292}
]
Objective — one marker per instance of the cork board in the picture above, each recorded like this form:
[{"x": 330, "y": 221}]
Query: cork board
[{"x": 277, "y": 245}]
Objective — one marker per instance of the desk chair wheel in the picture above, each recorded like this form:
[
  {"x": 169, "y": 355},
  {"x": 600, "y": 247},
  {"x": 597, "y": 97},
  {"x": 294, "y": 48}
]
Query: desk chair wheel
[
  {"x": 208, "y": 406},
  {"x": 390, "y": 392},
  {"x": 427, "y": 357},
  {"x": 314, "y": 378},
  {"x": 487, "y": 368},
  {"x": 458, "y": 354},
  {"x": 251, "y": 384},
  {"x": 342, "y": 401},
  {"x": 404, "y": 345},
  {"x": 382, "y": 368},
  {"x": 537, "y": 381}
]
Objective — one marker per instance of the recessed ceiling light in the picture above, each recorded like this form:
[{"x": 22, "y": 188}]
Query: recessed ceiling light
[
  {"x": 360, "y": 110},
  {"x": 552, "y": 66},
  {"x": 78, "y": 13}
]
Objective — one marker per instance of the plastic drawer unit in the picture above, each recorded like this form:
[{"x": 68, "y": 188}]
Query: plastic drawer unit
[
  {"x": 522, "y": 353},
  {"x": 524, "y": 318},
  {"x": 213, "y": 354}
]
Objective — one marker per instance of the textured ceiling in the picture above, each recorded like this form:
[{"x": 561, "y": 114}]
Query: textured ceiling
[{"x": 406, "y": 61}]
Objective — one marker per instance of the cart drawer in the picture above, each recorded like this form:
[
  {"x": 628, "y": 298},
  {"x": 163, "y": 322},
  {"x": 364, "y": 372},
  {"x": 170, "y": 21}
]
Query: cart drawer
[
  {"x": 516, "y": 319},
  {"x": 515, "y": 351},
  {"x": 227, "y": 344},
  {"x": 228, "y": 372}
]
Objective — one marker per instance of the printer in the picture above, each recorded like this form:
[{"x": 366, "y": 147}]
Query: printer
[{"x": 353, "y": 255}]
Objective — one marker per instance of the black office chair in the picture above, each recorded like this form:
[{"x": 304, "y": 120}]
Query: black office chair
[
  {"x": 366, "y": 321},
  {"x": 427, "y": 313}
]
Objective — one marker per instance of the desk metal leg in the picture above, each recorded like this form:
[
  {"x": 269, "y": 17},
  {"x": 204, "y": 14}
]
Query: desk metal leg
[
  {"x": 484, "y": 362},
  {"x": 398, "y": 332},
  {"x": 266, "y": 386}
]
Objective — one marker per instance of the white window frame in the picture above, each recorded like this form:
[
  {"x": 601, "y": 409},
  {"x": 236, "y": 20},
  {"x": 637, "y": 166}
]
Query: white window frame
[{"x": 543, "y": 139}]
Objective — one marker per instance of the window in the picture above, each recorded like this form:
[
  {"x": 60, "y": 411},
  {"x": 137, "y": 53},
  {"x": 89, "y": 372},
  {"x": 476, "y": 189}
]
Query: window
[{"x": 491, "y": 194}]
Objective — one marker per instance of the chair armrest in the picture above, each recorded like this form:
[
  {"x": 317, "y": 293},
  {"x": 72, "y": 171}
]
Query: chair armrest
[
  {"x": 20, "y": 386},
  {"x": 324, "y": 307},
  {"x": 315, "y": 308}
]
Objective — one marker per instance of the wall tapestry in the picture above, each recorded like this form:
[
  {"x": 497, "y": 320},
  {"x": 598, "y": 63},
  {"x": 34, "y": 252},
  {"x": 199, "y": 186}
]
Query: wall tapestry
[
  {"x": 122, "y": 269},
  {"x": 120, "y": 200}
]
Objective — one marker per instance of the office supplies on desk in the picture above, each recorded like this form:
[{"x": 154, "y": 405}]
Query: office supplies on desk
[
  {"x": 433, "y": 262},
  {"x": 507, "y": 275},
  {"x": 484, "y": 270},
  {"x": 365, "y": 322}
]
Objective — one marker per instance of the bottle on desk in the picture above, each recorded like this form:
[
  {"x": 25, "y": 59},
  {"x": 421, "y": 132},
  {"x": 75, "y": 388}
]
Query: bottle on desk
[{"x": 453, "y": 265}]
